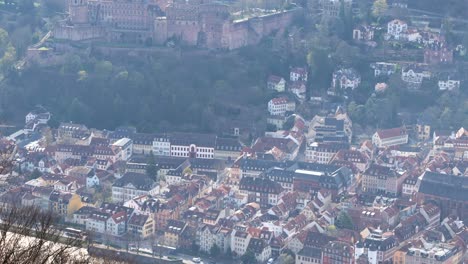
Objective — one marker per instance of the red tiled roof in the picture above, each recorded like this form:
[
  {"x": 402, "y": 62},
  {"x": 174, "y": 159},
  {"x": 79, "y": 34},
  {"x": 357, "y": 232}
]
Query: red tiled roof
[
  {"x": 299, "y": 70},
  {"x": 274, "y": 79},
  {"x": 280, "y": 100},
  {"x": 390, "y": 133}
]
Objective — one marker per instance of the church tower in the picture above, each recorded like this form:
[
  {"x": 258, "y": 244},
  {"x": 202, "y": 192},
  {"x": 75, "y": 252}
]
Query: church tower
[{"x": 78, "y": 11}]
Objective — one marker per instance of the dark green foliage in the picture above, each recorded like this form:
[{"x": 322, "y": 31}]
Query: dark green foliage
[
  {"x": 215, "y": 250},
  {"x": 35, "y": 174},
  {"x": 344, "y": 221},
  {"x": 249, "y": 258},
  {"x": 151, "y": 168},
  {"x": 455, "y": 8},
  {"x": 190, "y": 92},
  {"x": 289, "y": 123}
]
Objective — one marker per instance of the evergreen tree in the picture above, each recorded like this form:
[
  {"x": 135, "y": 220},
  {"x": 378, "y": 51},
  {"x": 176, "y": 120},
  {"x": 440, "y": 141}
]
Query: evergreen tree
[
  {"x": 249, "y": 258},
  {"x": 215, "y": 250},
  {"x": 344, "y": 221},
  {"x": 379, "y": 8},
  {"x": 151, "y": 168}
]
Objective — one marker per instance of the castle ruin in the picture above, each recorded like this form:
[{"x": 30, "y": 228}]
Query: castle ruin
[{"x": 201, "y": 23}]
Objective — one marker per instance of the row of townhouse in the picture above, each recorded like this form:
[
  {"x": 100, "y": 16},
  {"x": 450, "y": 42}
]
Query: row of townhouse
[
  {"x": 266, "y": 182},
  {"x": 61, "y": 203},
  {"x": 323, "y": 152},
  {"x": 114, "y": 220},
  {"x": 414, "y": 75},
  {"x": 131, "y": 185},
  {"x": 118, "y": 151}
]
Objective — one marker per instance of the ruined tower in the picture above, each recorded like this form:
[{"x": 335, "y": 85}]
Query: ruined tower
[{"x": 78, "y": 11}]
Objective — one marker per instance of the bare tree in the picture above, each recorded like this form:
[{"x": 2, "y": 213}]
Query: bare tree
[
  {"x": 8, "y": 151},
  {"x": 28, "y": 235}
]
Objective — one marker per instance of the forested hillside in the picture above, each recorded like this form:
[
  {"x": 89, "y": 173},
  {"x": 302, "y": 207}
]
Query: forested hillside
[{"x": 161, "y": 92}]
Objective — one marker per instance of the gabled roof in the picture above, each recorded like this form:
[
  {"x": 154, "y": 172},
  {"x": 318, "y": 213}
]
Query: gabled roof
[
  {"x": 138, "y": 180},
  {"x": 380, "y": 171},
  {"x": 398, "y": 22},
  {"x": 299, "y": 70},
  {"x": 257, "y": 245},
  {"x": 444, "y": 185},
  {"x": 391, "y": 133},
  {"x": 261, "y": 185},
  {"x": 186, "y": 139},
  {"x": 279, "y": 100},
  {"x": 348, "y": 73},
  {"x": 274, "y": 79},
  {"x": 119, "y": 217},
  {"x": 138, "y": 219}
]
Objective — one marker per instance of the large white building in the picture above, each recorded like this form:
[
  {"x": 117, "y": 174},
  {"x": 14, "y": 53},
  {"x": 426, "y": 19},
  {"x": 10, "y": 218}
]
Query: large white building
[
  {"x": 132, "y": 185},
  {"x": 240, "y": 242},
  {"x": 192, "y": 145},
  {"x": 117, "y": 224},
  {"x": 384, "y": 68},
  {"x": 397, "y": 29},
  {"x": 449, "y": 83},
  {"x": 109, "y": 219},
  {"x": 214, "y": 235},
  {"x": 346, "y": 79},
  {"x": 390, "y": 137},
  {"x": 323, "y": 152},
  {"x": 414, "y": 75},
  {"x": 280, "y": 105},
  {"x": 298, "y": 74},
  {"x": 36, "y": 117},
  {"x": 125, "y": 145},
  {"x": 161, "y": 146}
]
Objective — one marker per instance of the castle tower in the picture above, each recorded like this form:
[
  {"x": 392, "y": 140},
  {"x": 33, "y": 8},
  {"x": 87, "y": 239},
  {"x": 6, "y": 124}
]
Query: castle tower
[{"x": 78, "y": 11}]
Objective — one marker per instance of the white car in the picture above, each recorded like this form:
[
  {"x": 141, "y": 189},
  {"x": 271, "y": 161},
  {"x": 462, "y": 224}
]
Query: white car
[
  {"x": 270, "y": 261},
  {"x": 196, "y": 260}
]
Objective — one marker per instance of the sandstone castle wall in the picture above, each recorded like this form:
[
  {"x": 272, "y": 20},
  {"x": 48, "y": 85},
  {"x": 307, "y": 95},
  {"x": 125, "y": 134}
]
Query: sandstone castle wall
[{"x": 201, "y": 23}]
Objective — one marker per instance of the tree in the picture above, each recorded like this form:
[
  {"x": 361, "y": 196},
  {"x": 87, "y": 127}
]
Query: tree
[
  {"x": 446, "y": 119},
  {"x": 53, "y": 6},
  {"x": 47, "y": 135},
  {"x": 447, "y": 29},
  {"x": 345, "y": 53},
  {"x": 8, "y": 59},
  {"x": 346, "y": 22},
  {"x": 215, "y": 250},
  {"x": 78, "y": 111},
  {"x": 289, "y": 123},
  {"x": 82, "y": 76},
  {"x": 286, "y": 259},
  {"x": 28, "y": 236},
  {"x": 7, "y": 157},
  {"x": 187, "y": 171},
  {"x": 310, "y": 58},
  {"x": 344, "y": 221},
  {"x": 26, "y": 6},
  {"x": 35, "y": 174},
  {"x": 103, "y": 69},
  {"x": 151, "y": 168},
  {"x": 379, "y": 8},
  {"x": 21, "y": 38},
  {"x": 357, "y": 112},
  {"x": 4, "y": 41},
  {"x": 7, "y": 52},
  {"x": 249, "y": 258}
]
